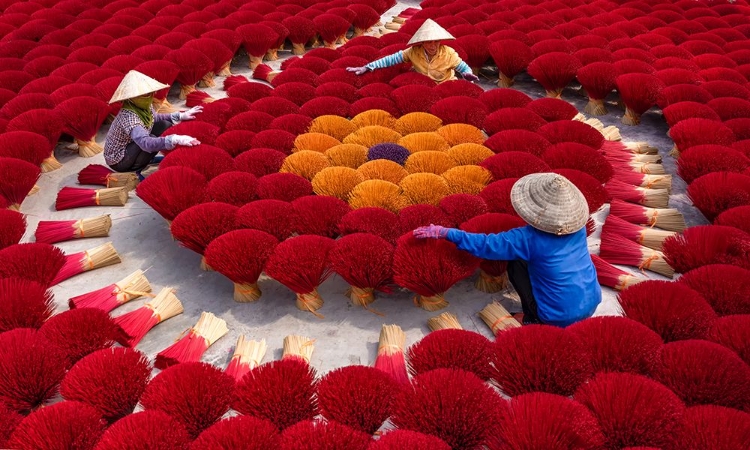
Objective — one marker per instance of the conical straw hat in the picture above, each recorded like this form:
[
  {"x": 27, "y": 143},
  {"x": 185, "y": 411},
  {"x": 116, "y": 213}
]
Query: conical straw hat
[
  {"x": 135, "y": 84},
  {"x": 549, "y": 202},
  {"x": 430, "y": 31}
]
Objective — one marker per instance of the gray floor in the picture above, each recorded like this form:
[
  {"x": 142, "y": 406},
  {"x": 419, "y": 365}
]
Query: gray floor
[{"x": 348, "y": 334}]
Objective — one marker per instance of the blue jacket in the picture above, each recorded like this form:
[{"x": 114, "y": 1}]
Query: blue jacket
[{"x": 563, "y": 278}]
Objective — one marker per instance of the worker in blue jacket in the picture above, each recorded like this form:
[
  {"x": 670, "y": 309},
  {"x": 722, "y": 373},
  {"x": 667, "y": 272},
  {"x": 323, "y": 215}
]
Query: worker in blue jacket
[{"x": 548, "y": 260}]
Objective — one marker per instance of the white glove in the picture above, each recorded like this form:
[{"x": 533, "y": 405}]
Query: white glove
[
  {"x": 358, "y": 70},
  {"x": 190, "y": 113},
  {"x": 175, "y": 140}
]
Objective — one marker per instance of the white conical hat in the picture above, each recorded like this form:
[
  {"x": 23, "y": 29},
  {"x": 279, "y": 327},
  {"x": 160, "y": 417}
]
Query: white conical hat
[
  {"x": 550, "y": 202},
  {"x": 135, "y": 84},
  {"x": 430, "y": 31}
]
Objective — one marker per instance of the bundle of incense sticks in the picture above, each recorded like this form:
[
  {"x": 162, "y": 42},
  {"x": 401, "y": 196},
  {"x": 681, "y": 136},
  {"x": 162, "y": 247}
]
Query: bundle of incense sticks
[
  {"x": 110, "y": 297},
  {"x": 444, "y": 321},
  {"x": 646, "y": 236},
  {"x": 104, "y": 176},
  {"x": 298, "y": 347},
  {"x": 193, "y": 344},
  {"x": 391, "y": 353},
  {"x": 137, "y": 323},
  {"x": 645, "y": 180},
  {"x": 51, "y": 231},
  {"x": 497, "y": 318},
  {"x": 653, "y": 198},
  {"x": 627, "y": 156},
  {"x": 616, "y": 249},
  {"x": 665, "y": 218},
  {"x": 639, "y": 167},
  {"x": 70, "y": 197},
  {"x": 95, "y": 258},
  {"x": 612, "y": 133},
  {"x": 610, "y": 276},
  {"x": 248, "y": 354},
  {"x": 640, "y": 147}
]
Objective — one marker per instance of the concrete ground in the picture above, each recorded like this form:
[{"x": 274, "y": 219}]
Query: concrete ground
[{"x": 348, "y": 334}]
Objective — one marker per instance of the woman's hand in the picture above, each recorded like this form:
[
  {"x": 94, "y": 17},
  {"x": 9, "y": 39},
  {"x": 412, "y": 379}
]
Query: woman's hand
[
  {"x": 182, "y": 140},
  {"x": 190, "y": 113},
  {"x": 358, "y": 70},
  {"x": 433, "y": 231}
]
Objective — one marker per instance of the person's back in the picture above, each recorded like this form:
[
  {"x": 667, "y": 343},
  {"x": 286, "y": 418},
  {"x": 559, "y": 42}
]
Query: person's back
[{"x": 562, "y": 276}]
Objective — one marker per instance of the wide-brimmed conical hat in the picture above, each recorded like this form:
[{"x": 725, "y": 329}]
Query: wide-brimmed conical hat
[
  {"x": 550, "y": 202},
  {"x": 430, "y": 31},
  {"x": 135, "y": 84}
]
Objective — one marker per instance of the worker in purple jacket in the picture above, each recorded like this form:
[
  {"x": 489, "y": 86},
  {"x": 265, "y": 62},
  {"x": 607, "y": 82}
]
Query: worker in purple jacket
[
  {"x": 134, "y": 138},
  {"x": 548, "y": 260}
]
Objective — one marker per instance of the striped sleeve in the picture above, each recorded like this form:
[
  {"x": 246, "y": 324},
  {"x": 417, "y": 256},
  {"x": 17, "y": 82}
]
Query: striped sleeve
[
  {"x": 387, "y": 61},
  {"x": 462, "y": 67}
]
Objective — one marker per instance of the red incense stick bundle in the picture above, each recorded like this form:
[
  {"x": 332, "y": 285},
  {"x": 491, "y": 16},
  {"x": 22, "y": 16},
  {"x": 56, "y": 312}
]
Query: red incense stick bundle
[
  {"x": 241, "y": 255},
  {"x": 616, "y": 249},
  {"x": 648, "y": 237},
  {"x": 98, "y": 174},
  {"x": 51, "y": 231},
  {"x": 82, "y": 117},
  {"x": 391, "y": 353},
  {"x": 17, "y": 181},
  {"x": 95, "y": 258},
  {"x": 137, "y": 323},
  {"x": 664, "y": 218},
  {"x": 248, "y": 355},
  {"x": 70, "y": 197},
  {"x": 110, "y": 297},
  {"x": 194, "y": 344},
  {"x": 610, "y": 276},
  {"x": 644, "y": 180},
  {"x": 654, "y": 198},
  {"x": 365, "y": 261},
  {"x": 302, "y": 264}
]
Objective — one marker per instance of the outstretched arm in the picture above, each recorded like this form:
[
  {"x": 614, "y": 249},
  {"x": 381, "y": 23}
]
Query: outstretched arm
[
  {"x": 382, "y": 63},
  {"x": 507, "y": 246},
  {"x": 387, "y": 61}
]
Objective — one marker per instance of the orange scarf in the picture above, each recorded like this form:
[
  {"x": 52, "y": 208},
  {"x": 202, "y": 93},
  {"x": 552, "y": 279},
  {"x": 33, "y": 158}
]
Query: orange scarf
[{"x": 439, "y": 68}]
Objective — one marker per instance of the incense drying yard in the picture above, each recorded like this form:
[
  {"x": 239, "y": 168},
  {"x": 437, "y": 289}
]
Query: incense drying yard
[{"x": 262, "y": 290}]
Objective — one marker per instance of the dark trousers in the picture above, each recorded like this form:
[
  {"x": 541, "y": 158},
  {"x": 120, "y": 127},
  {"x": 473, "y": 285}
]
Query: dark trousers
[
  {"x": 518, "y": 274},
  {"x": 136, "y": 158}
]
